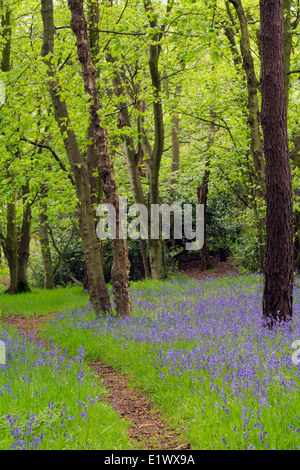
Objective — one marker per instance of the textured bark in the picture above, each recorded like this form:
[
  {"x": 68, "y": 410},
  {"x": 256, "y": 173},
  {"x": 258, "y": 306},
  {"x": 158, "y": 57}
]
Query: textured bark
[
  {"x": 288, "y": 43},
  {"x": 10, "y": 242},
  {"x": 45, "y": 248},
  {"x": 96, "y": 283},
  {"x": 95, "y": 180},
  {"x": 24, "y": 243},
  {"x": 278, "y": 289},
  {"x": 7, "y": 37},
  {"x": 121, "y": 266},
  {"x": 11, "y": 247}
]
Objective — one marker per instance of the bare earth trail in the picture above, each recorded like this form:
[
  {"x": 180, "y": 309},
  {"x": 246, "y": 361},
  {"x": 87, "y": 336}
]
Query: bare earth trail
[{"x": 148, "y": 430}]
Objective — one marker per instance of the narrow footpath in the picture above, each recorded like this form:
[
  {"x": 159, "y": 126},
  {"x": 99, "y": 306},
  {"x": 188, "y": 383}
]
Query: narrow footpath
[{"x": 148, "y": 430}]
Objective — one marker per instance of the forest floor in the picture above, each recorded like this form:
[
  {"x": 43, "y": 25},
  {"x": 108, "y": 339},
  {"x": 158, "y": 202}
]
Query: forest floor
[
  {"x": 149, "y": 430},
  {"x": 190, "y": 266}
]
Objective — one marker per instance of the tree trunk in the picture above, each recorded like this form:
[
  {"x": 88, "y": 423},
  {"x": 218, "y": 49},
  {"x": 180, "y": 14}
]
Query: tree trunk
[
  {"x": 288, "y": 43},
  {"x": 97, "y": 289},
  {"x": 63, "y": 258},
  {"x": 121, "y": 266},
  {"x": 133, "y": 157},
  {"x": 24, "y": 243},
  {"x": 278, "y": 288},
  {"x": 10, "y": 242},
  {"x": 95, "y": 180},
  {"x": 202, "y": 194},
  {"x": 157, "y": 260},
  {"x": 12, "y": 247},
  {"x": 45, "y": 248},
  {"x": 203, "y": 189},
  {"x": 253, "y": 103}
]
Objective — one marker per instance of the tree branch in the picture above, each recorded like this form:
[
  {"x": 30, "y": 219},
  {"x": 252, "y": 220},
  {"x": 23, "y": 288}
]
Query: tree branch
[{"x": 47, "y": 147}]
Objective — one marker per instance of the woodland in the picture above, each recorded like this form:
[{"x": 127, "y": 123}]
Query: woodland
[{"x": 172, "y": 102}]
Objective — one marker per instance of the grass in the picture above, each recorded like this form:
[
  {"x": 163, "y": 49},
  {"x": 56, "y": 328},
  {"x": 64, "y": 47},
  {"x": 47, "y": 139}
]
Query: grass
[
  {"x": 42, "y": 302},
  {"x": 51, "y": 402}
]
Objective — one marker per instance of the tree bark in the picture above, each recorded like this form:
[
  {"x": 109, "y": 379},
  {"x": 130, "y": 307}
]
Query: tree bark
[
  {"x": 24, "y": 243},
  {"x": 12, "y": 247},
  {"x": 278, "y": 288},
  {"x": 121, "y": 265},
  {"x": 95, "y": 180},
  {"x": 10, "y": 242},
  {"x": 45, "y": 248},
  {"x": 288, "y": 43},
  {"x": 96, "y": 283}
]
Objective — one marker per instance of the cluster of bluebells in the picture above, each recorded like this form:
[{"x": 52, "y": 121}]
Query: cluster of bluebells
[
  {"x": 34, "y": 412},
  {"x": 215, "y": 337}
]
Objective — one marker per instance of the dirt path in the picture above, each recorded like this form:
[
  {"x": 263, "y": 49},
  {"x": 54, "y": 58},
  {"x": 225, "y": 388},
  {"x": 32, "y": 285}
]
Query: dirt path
[
  {"x": 148, "y": 430},
  {"x": 190, "y": 266}
]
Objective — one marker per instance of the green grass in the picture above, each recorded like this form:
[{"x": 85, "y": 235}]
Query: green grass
[
  {"x": 42, "y": 302},
  {"x": 48, "y": 398}
]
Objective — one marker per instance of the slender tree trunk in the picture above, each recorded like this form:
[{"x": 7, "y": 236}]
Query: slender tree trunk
[
  {"x": 12, "y": 247},
  {"x": 24, "y": 243},
  {"x": 157, "y": 262},
  {"x": 63, "y": 258},
  {"x": 45, "y": 248},
  {"x": 175, "y": 142},
  {"x": 278, "y": 289},
  {"x": 95, "y": 180},
  {"x": 133, "y": 157},
  {"x": 244, "y": 58},
  {"x": 96, "y": 283},
  {"x": 203, "y": 189},
  {"x": 175, "y": 151},
  {"x": 10, "y": 241},
  {"x": 121, "y": 266},
  {"x": 253, "y": 103},
  {"x": 7, "y": 37},
  {"x": 144, "y": 258}
]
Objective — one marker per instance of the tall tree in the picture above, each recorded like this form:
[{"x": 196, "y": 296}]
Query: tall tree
[
  {"x": 278, "y": 272},
  {"x": 45, "y": 247},
  {"x": 121, "y": 265},
  {"x": 96, "y": 283},
  {"x": 24, "y": 242}
]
